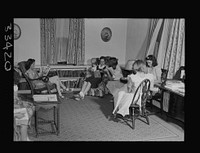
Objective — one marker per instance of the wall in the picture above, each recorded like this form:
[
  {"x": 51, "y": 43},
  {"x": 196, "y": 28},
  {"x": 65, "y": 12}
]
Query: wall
[
  {"x": 127, "y": 42},
  {"x": 137, "y": 30},
  {"x": 96, "y": 47},
  {"x": 28, "y": 45}
]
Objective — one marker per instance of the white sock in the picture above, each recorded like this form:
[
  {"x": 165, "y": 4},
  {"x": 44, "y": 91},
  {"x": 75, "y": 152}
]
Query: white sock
[{"x": 81, "y": 94}]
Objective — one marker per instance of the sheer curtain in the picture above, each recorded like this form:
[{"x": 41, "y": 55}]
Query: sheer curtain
[
  {"x": 62, "y": 40},
  {"x": 76, "y": 47},
  {"x": 175, "y": 53},
  {"x": 61, "y": 36},
  {"x": 168, "y": 44},
  {"x": 47, "y": 34}
]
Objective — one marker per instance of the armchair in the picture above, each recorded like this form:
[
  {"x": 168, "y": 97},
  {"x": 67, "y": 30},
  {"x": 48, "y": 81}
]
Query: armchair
[{"x": 45, "y": 88}]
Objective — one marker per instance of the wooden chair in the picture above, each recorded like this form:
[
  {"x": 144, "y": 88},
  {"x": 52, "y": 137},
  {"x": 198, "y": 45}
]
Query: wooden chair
[
  {"x": 137, "y": 108},
  {"x": 158, "y": 96},
  {"x": 45, "y": 88}
]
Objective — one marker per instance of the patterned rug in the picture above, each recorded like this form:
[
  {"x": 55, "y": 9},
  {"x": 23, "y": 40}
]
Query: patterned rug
[{"x": 87, "y": 120}]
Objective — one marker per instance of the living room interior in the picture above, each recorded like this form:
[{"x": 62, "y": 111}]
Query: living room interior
[{"x": 89, "y": 120}]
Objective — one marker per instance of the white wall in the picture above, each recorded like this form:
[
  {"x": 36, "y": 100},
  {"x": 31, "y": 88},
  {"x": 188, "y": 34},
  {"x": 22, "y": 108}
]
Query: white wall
[
  {"x": 137, "y": 30},
  {"x": 96, "y": 47},
  {"x": 28, "y": 45},
  {"x": 128, "y": 36}
]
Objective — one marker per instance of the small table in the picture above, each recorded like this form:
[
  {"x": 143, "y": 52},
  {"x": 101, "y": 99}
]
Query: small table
[
  {"x": 56, "y": 116},
  {"x": 176, "y": 102}
]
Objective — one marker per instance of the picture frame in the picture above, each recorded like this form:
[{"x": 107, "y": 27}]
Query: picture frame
[
  {"x": 106, "y": 34},
  {"x": 17, "y": 31}
]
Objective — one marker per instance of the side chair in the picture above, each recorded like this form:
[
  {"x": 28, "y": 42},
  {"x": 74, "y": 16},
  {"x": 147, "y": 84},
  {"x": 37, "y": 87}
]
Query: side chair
[
  {"x": 158, "y": 96},
  {"x": 44, "y": 89},
  {"x": 137, "y": 108}
]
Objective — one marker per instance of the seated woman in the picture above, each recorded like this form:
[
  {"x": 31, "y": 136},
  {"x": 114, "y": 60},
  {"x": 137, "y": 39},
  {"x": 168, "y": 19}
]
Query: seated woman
[
  {"x": 115, "y": 74},
  {"x": 124, "y": 96},
  {"x": 23, "y": 111},
  {"x": 101, "y": 90},
  {"x": 153, "y": 68},
  {"x": 180, "y": 74},
  {"x": 33, "y": 74},
  {"x": 93, "y": 78}
]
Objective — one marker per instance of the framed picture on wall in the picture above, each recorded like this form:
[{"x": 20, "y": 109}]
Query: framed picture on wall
[
  {"x": 106, "y": 34},
  {"x": 17, "y": 31}
]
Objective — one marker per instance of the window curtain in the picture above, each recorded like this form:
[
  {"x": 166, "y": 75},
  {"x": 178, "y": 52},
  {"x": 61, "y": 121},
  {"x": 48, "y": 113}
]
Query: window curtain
[
  {"x": 152, "y": 23},
  {"x": 175, "y": 53},
  {"x": 76, "y": 44},
  {"x": 167, "y": 44},
  {"x": 153, "y": 38},
  {"x": 47, "y": 31},
  {"x": 62, "y": 40},
  {"x": 61, "y": 36}
]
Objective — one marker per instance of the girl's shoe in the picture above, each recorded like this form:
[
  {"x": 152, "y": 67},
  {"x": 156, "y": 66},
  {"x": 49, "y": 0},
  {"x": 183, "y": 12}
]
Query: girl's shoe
[
  {"x": 61, "y": 96},
  {"x": 78, "y": 97}
]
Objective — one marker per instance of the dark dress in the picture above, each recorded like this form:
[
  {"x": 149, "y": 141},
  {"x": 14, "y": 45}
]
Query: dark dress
[{"x": 95, "y": 81}]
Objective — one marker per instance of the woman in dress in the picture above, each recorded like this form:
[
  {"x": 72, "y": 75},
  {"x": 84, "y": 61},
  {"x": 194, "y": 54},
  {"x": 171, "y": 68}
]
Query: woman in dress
[
  {"x": 33, "y": 74},
  {"x": 115, "y": 75},
  {"x": 124, "y": 96},
  {"x": 93, "y": 78},
  {"x": 153, "y": 68}
]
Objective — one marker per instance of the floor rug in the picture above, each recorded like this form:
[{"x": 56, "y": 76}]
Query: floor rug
[{"x": 87, "y": 120}]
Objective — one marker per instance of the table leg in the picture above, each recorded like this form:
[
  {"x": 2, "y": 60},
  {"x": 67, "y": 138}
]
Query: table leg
[
  {"x": 36, "y": 126},
  {"x": 58, "y": 119}
]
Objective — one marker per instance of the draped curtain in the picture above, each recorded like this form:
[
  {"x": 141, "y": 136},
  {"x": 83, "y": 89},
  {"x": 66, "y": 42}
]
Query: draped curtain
[
  {"x": 76, "y": 47},
  {"x": 47, "y": 31},
  {"x": 62, "y": 40},
  {"x": 168, "y": 44}
]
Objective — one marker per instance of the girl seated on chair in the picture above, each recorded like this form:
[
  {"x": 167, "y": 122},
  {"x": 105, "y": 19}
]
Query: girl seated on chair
[
  {"x": 94, "y": 77},
  {"x": 19, "y": 114},
  {"x": 33, "y": 74},
  {"x": 124, "y": 96}
]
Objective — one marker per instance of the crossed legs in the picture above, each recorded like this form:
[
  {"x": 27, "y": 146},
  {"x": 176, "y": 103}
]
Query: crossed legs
[{"x": 59, "y": 84}]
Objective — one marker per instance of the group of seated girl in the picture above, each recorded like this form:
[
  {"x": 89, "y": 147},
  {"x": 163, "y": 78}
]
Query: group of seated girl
[
  {"x": 95, "y": 76},
  {"x": 109, "y": 67}
]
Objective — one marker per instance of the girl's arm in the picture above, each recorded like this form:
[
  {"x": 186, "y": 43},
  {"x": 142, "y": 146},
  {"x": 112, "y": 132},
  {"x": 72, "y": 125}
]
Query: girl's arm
[
  {"x": 152, "y": 88},
  {"x": 130, "y": 85},
  {"x": 109, "y": 73}
]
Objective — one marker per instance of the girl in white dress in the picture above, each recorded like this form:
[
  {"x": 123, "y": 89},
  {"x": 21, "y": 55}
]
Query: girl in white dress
[{"x": 124, "y": 96}]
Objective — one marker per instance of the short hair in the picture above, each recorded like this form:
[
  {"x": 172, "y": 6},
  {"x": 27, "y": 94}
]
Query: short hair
[
  {"x": 113, "y": 61},
  {"x": 96, "y": 61},
  {"x": 139, "y": 66},
  {"x": 29, "y": 62},
  {"x": 153, "y": 59}
]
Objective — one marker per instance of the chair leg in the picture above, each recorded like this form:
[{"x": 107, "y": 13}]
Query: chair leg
[
  {"x": 147, "y": 119},
  {"x": 133, "y": 121},
  {"x": 36, "y": 128},
  {"x": 151, "y": 104}
]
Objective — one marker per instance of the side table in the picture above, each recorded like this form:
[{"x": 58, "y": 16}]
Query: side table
[{"x": 47, "y": 105}]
